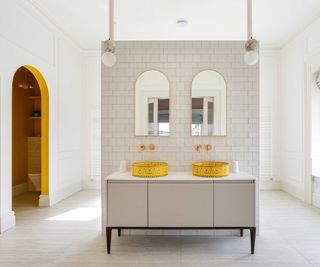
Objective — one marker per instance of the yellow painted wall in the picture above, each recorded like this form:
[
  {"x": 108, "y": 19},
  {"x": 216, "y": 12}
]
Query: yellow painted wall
[
  {"x": 22, "y": 126},
  {"x": 21, "y": 129},
  {"x": 44, "y": 129}
]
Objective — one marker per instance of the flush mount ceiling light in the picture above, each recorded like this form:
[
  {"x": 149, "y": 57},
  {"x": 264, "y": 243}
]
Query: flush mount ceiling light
[
  {"x": 108, "y": 57},
  {"x": 182, "y": 23},
  {"x": 25, "y": 85},
  {"x": 318, "y": 79},
  {"x": 251, "y": 57}
]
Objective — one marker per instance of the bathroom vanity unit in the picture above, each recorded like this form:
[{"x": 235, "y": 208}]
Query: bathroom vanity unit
[{"x": 180, "y": 201}]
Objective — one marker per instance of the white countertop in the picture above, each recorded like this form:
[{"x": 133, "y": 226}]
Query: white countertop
[{"x": 180, "y": 176}]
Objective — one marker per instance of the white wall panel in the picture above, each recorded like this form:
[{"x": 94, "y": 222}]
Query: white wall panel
[
  {"x": 313, "y": 38},
  {"x": 28, "y": 38},
  {"x": 25, "y": 31},
  {"x": 269, "y": 113},
  {"x": 297, "y": 61},
  {"x": 315, "y": 150},
  {"x": 70, "y": 171},
  {"x": 92, "y": 131},
  {"x": 70, "y": 94}
]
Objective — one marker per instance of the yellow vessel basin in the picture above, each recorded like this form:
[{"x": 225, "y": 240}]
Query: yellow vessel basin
[
  {"x": 149, "y": 169},
  {"x": 210, "y": 169}
]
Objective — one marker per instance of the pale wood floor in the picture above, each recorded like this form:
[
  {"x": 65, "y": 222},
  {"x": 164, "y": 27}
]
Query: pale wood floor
[{"x": 290, "y": 236}]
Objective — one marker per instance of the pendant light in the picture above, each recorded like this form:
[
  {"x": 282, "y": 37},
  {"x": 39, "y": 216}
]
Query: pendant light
[
  {"x": 108, "y": 57},
  {"x": 251, "y": 57},
  {"x": 25, "y": 84}
]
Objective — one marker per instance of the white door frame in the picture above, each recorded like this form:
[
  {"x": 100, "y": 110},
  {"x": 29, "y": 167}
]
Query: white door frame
[
  {"x": 308, "y": 133},
  {"x": 311, "y": 66}
]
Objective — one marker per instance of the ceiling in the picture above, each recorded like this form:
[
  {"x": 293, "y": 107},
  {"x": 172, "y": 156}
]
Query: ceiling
[{"x": 86, "y": 21}]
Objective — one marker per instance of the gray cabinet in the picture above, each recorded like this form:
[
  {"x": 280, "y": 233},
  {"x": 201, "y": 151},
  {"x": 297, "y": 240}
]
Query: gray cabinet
[
  {"x": 127, "y": 203},
  {"x": 234, "y": 203},
  {"x": 180, "y": 204}
]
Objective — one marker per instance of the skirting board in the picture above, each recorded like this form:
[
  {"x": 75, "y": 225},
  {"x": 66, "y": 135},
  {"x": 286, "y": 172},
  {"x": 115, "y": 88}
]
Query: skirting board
[
  {"x": 270, "y": 185},
  {"x": 88, "y": 184},
  {"x": 316, "y": 200},
  {"x": 63, "y": 193},
  {"x": 44, "y": 201},
  {"x": 293, "y": 189},
  {"x": 7, "y": 221},
  {"x": 55, "y": 197},
  {"x": 19, "y": 189},
  {"x": 316, "y": 191}
]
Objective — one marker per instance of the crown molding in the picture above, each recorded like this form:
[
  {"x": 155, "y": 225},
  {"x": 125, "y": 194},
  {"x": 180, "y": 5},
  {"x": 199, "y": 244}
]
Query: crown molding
[{"x": 53, "y": 22}]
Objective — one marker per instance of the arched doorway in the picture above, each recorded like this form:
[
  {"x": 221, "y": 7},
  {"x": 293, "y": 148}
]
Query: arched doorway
[{"x": 30, "y": 133}]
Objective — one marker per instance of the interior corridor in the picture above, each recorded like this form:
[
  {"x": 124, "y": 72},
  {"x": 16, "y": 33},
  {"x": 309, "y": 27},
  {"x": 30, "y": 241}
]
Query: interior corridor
[{"x": 68, "y": 234}]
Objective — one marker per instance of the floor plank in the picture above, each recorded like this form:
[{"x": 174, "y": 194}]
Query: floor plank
[{"x": 68, "y": 234}]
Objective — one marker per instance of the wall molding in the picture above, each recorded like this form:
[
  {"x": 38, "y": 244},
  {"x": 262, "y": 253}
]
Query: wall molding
[
  {"x": 36, "y": 21},
  {"x": 295, "y": 190},
  {"x": 61, "y": 148},
  {"x": 270, "y": 185},
  {"x": 316, "y": 191},
  {"x": 52, "y": 21},
  {"x": 316, "y": 200},
  {"x": 44, "y": 201},
  {"x": 88, "y": 184},
  {"x": 64, "y": 193}
]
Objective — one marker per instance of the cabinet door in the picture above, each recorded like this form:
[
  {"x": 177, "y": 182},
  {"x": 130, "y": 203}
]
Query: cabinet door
[
  {"x": 127, "y": 203},
  {"x": 180, "y": 204},
  {"x": 234, "y": 203}
]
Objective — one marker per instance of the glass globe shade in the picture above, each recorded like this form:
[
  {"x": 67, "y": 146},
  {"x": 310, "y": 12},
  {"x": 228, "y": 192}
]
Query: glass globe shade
[
  {"x": 109, "y": 59},
  {"x": 251, "y": 57}
]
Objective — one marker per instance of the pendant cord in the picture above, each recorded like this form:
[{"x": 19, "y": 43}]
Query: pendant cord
[
  {"x": 111, "y": 20},
  {"x": 249, "y": 19}
]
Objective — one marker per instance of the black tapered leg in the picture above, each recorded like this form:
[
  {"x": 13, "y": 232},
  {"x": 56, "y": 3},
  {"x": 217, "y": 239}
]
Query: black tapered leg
[
  {"x": 108, "y": 235},
  {"x": 241, "y": 232},
  {"x": 119, "y": 232},
  {"x": 252, "y": 238}
]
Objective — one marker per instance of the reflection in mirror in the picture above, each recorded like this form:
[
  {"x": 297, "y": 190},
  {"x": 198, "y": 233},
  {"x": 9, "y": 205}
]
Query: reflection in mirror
[
  {"x": 152, "y": 93},
  {"x": 209, "y": 91}
]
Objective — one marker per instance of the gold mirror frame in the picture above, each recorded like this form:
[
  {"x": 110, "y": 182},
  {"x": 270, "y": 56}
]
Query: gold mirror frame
[
  {"x": 190, "y": 124},
  {"x": 134, "y": 101}
]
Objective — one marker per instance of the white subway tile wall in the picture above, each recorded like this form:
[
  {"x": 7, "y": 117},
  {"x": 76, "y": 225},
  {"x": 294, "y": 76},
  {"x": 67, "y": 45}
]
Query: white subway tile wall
[{"x": 180, "y": 61}]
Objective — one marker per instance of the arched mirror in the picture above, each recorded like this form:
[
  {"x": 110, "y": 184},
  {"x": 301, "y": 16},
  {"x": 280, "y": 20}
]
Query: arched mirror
[
  {"x": 152, "y": 104},
  {"x": 209, "y": 108}
]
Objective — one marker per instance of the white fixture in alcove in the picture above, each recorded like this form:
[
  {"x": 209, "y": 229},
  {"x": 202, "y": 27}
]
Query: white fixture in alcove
[
  {"x": 318, "y": 79},
  {"x": 108, "y": 57},
  {"x": 34, "y": 181},
  {"x": 251, "y": 57}
]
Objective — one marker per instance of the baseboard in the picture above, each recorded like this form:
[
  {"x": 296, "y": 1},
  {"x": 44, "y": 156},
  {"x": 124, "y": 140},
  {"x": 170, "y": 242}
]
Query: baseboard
[
  {"x": 292, "y": 189},
  {"x": 316, "y": 191},
  {"x": 88, "y": 184},
  {"x": 44, "y": 201},
  {"x": 19, "y": 189},
  {"x": 63, "y": 193},
  {"x": 270, "y": 185},
  {"x": 316, "y": 200},
  {"x": 7, "y": 221}
]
